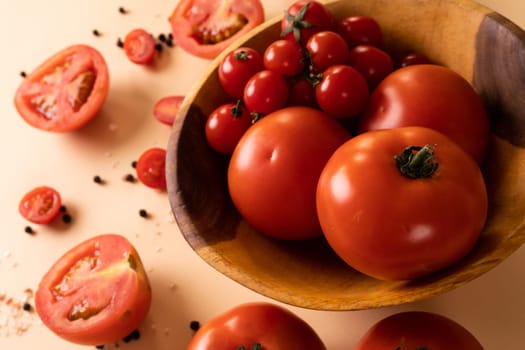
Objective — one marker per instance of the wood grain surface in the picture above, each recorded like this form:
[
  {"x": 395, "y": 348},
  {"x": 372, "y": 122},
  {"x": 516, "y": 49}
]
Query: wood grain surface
[{"x": 482, "y": 46}]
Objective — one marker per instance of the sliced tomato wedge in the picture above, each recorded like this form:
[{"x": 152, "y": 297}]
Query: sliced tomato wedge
[
  {"x": 96, "y": 293},
  {"x": 166, "y": 109},
  {"x": 204, "y": 28},
  {"x": 139, "y": 46},
  {"x": 41, "y": 205},
  {"x": 151, "y": 168},
  {"x": 65, "y": 91}
]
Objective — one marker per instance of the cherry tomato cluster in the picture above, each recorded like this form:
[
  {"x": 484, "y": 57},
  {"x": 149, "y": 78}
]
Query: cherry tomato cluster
[{"x": 328, "y": 137}]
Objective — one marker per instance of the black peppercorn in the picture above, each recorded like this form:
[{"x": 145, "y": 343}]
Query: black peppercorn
[
  {"x": 195, "y": 325},
  {"x": 122, "y": 10},
  {"x": 96, "y": 32},
  {"x": 29, "y": 230},
  {"x": 120, "y": 43},
  {"x": 129, "y": 178},
  {"x": 23, "y": 74},
  {"x": 143, "y": 213},
  {"x": 27, "y": 307},
  {"x": 134, "y": 164},
  {"x": 66, "y": 218},
  {"x": 97, "y": 179}
]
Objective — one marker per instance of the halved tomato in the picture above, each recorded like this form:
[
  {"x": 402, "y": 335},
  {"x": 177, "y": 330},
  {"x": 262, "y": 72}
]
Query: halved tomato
[
  {"x": 151, "y": 168},
  {"x": 65, "y": 91},
  {"x": 41, "y": 205},
  {"x": 96, "y": 293},
  {"x": 204, "y": 28},
  {"x": 139, "y": 46},
  {"x": 165, "y": 110}
]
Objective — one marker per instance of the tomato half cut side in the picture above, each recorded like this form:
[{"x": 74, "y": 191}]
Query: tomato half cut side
[
  {"x": 206, "y": 28},
  {"x": 96, "y": 293},
  {"x": 41, "y": 205},
  {"x": 64, "y": 92},
  {"x": 151, "y": 168},
  {"x": 166, "y": 109},
  {"x": 139, "y": 46}
]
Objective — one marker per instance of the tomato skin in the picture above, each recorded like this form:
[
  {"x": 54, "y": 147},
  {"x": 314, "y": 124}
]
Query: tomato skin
[
  {"x": 343, "y": 92},
  {"x": 104, "y": 272},
  {"x": 392, "y": 227},
  {"x": 139, "y": 46},
  {"x": 151, "y": 168},
  {"x": 326, "y": 49},
  {"x": 360, "y": 30},
  {"x": 417, "y": 330},
  {"x": 431, "y": 96},
  {"x": 273, "y": 172},
  {"x": 225, "y": 127},
  {"x": 285, "y": 57},
  {"x": 194, "y": 23},
  {"x": 237, "y": 67},
  {"x": 165, "y": 109},
  {"x": 51, "y": 106},
  {"x": 41, "y": 205},
  {"x": 266, "y": 92},
  {"x": 412, "y": 59},
  {"x": 271, "y": 326},
  {"x": 317, "y": 15},
  {"x": 373, "y": 63}
]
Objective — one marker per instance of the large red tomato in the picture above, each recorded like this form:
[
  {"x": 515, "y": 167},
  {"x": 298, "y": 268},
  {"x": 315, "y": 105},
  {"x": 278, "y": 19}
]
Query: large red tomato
[
  {"x": 398, "y": 213},
  {"x": 256, "y": 325},
  {"x": 96, "y": 293},
  {"x": 412, "y": 330},
  {"x": 432, "y": 96},
  {"x": 65, "y": 91},
  {"x": 204, "y": 28},
  {"x": 273, "y": 171}
]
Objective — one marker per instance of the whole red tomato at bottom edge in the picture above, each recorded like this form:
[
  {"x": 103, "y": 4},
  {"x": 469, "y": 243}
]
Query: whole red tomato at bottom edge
[
  {"x": 432, "y": 96},
  {"x": 413, "y": 330},
  {"x": 96, "y": 293},
  {"x": 268, "y": 325},
  {"x": 273, "y": 171},
  {"x": 399, "y": 226}
]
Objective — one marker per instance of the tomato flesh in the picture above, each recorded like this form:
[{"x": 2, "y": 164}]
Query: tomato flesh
[
  {"x": 206, "y": 28},
  {"x": 139, "y": 46},
  {"x": 40, "y": 205},
  {"x": 166, "y": 109},
  {"x": 151, "y": 168},
  {"x": 96, "y": 293},
  {"x": 65, "y": 91}
]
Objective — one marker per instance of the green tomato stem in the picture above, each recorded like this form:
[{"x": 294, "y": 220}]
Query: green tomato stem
[{"x": 416, "y": 162}]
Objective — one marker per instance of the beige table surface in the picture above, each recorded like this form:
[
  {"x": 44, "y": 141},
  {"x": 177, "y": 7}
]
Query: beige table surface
[{"x": 185, "y": 288}]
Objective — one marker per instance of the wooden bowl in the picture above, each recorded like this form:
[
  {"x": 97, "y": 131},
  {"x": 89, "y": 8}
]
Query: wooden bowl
[{"x": 481, "y": 45}]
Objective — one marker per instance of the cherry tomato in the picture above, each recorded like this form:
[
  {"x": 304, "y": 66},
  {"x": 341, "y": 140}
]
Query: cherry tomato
[
  {"x": 414, "y": 330},
  {"x": 41, "y": 205},
  {"x": 273, "y": 172},
  {"x": 432, "y": 96},
  {"x": 305, "y": 18},
  {"x": 373, "y": 63},
  {"x": 342, "y": 92},
  {"x": 256, "y": 325},
  {"x": 412, "y": 59},
  {"x": 399, "y": 213},
  {"x": 236, "y": 68},
  {"x": 302, "y": 93},
  {"x": 206, "y": 28},
  {"x": 226, "y": 125},
  {"x": 360, "y": 30},
  {"x": 266, "y": 92},
  {"x": 151, "y": 168},
  {"x": 285, "y": 57},
  {"x": 96, "y": 293},
  {"x": 326, "y": 49},
  {"x": 65, "y": 91},
  {"x": 139, "y": 46},
  {"x": 165, "y": 110}
]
